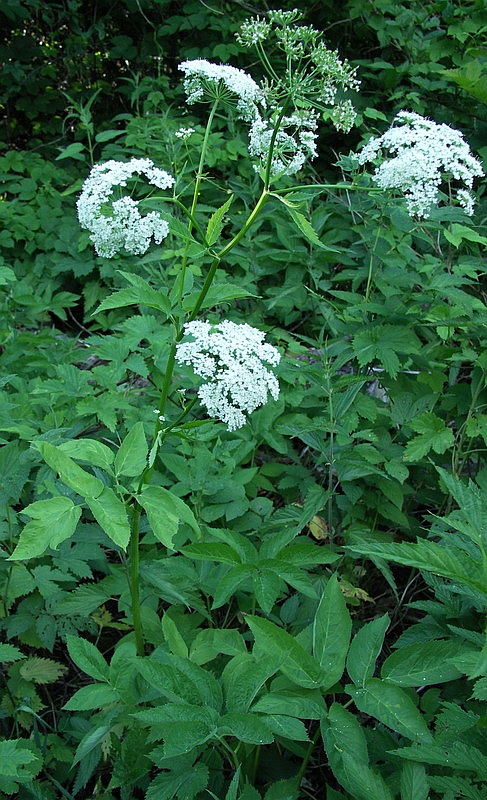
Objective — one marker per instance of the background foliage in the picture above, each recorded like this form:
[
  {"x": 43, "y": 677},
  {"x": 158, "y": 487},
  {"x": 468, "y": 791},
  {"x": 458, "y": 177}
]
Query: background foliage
[{"x": 327, "y": 638}]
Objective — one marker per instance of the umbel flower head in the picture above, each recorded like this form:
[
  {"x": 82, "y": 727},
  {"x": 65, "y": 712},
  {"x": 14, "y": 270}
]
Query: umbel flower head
[
  {"x": 118, "y": 225},
  {"x": 203, "y": 79},
  {"x": 293, "y": 144},
  {"x": 313, "y": 75},
  {"x": 424, "y": 155},
  {"x": 232, "y": 358}
]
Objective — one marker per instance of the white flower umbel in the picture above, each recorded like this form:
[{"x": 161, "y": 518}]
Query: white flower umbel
[
  {"x": 118, "y": 225},
  {"x": 203, "y": 79},
  {"x": 294, "y": 142},
  {"x": 424, "y": 156},
  {"x": 232, "y": 358}
]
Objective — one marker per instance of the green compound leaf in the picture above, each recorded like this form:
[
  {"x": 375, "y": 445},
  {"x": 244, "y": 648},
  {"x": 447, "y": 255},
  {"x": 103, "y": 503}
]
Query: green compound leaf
[
  {"x": 165, "y": 511},
  {"x": 245, "y": 727},
  {"x": 54, "y": 521},
  {"x": 131, "y": 458},
  {"x": 332, "y": 626},
  {"x": 69, "y": 472},
  {"x": 393, "y": 707},
  {"x": 111, "y": 515},
  {"x": 303, "y": 224}
]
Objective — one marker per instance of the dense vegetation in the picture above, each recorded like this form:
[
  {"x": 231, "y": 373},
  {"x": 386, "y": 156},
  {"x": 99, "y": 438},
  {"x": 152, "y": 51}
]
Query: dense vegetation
[{"x": 294, "y": 608}]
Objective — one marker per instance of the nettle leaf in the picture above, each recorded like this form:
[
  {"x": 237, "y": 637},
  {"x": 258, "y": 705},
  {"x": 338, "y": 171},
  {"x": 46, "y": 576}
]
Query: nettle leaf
[
  {"x": 15, "y": 754},
  {"x": 10, "y": 653},
  {"x": 215, "y": 223},
  {"x": 183, "y": 784},
  {"x": 434, "y": 435},
  {"x": 382, "y": 343},
  {"x": 332, "y": 626},
  {"x": 54, "y": 521},
  {"x": 165, "y": 511},
  {"x": 131, "y": 458},
  {"x": 110, "y": 513},
  {"x": 423, "y": 663},
  {"x": 290, "y": 657},
  {"x": 365, "y": 648},
  {"x": 392, "y": 706},
  {"x": 41, "y": 670}
]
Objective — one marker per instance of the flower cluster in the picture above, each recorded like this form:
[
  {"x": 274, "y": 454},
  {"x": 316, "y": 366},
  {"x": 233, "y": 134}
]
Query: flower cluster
[
  {"x": 293, "y": 143},
  {"x": 220, "y": 81},
  {"x": 118, "y": 225},
  {"x": 232, "y": 358},
  {"x": 313, "y": 73},
  {"x": 424, "y": 155}
]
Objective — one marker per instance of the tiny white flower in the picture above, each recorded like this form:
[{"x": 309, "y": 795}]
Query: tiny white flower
[
  {"x": 424, "y": 154},
  {"x": 118, "y": 225},
  {"x": 220, "y": 80},
  {"x": 233, "y": 359},
  {"x": 184, "y": 133},
  {"x": 293, "y": 144}
]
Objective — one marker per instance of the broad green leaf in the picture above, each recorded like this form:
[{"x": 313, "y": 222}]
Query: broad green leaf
[
  {"x": 175, "y": 641},
  {"x": 245, "y": 727},
  {"x": 229, "y": 583},
  {"x": 90, "y": 450},
  {"x": 69, "y": 472},
  {"x": 431, "y": 557},
  {"x": 283, "y": 790},
  {"x": 139, "y": 293},
  {"x": 303, "y": 224},
  {"x": 184, "y": 784},
  {"x": 383, "y": 343},
  {"x": 10, "y": 653},
  {"x": 87, "y": 658},
  {"x": 211, "y": 642},
  {"x": 453, "y": 755},
  {"x": 423, "y": 663},
  {"x": 346, "y": 748},
  {"x": 332, "y": 626},
  {"x": 286, "y": 727},
  {"x": 433, "y": 435},
  {"x": 110, "y": 513},
  {"x": 90, "y": 741},
  {"x": 290, "y": 657},
  {"x": 365, "y": 648},
  {"x": 215, "y": 223},
  {"x": 414, "y": 785},
  {"x": 267, "y": 587},
  {"x": 15, "y": 754},
  {"x": 179, "y": 679},
  {"x": 457, "y": 233},
  {"x": 131, "y": 458},
  {"x": 243, "y": 678},
  {"x": 308, "y": 705},
  {"x": 182, "y": 737},
  {"x": 165, "y": 511},
  {"x": 392, "y": 706},
  {"x": 41, "y": 670},
  {"x": 54, "y": 521},
  {"x": 212, "y": 551},
  {"x": 217, "y": 294},
  {"x": 95, "y": 695}
]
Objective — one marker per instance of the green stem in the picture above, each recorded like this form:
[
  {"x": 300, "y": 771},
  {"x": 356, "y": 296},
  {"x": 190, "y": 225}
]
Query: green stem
[
  {"x": 194, "y": 203},
  {"x": 371, "y": 263},
  {"x": 134, "y": 579}
]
